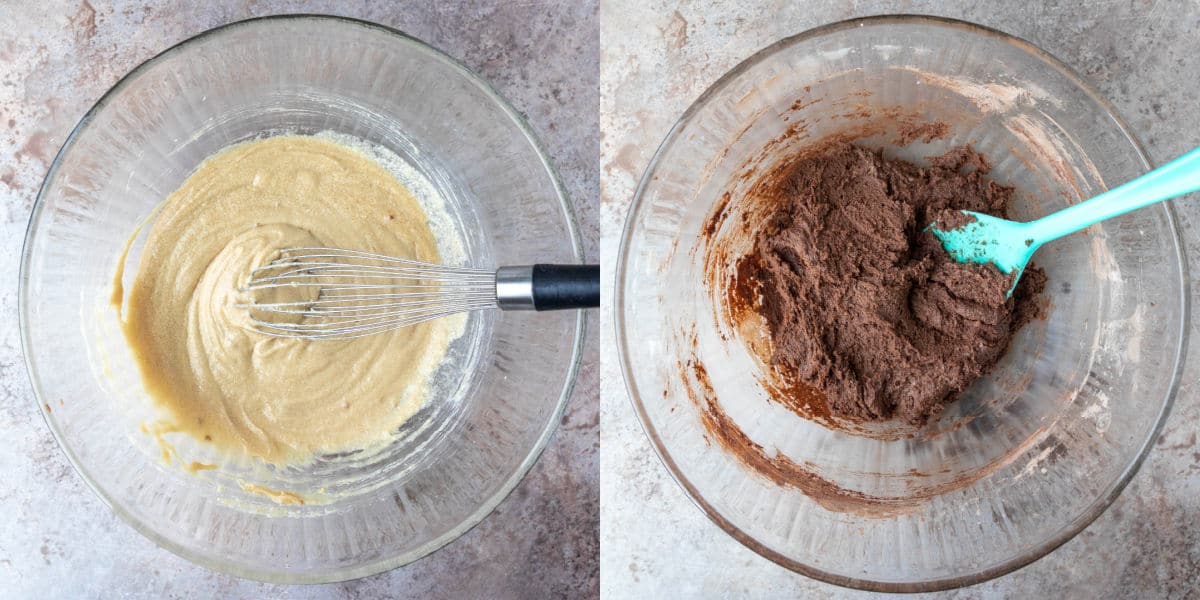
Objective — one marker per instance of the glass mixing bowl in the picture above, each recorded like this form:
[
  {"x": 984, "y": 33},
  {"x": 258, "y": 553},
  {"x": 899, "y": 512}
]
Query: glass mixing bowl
[
  {"x": 501, "y": 389},
  {"x": 1033, "y": 452}
]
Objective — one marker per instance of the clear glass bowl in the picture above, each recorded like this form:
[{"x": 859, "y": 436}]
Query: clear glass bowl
[
  {"x": 1033, "y": 452},
  {"x": 505, "y": 381}
]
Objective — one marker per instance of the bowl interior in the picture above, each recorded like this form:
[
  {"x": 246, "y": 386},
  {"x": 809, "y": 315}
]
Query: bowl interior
[
  {"x": 1032, "y": 452},
  {"x": 455, "y": 141}
]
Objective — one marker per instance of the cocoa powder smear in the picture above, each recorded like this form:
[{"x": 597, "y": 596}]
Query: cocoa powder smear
[{"x": 862, "y": 304}]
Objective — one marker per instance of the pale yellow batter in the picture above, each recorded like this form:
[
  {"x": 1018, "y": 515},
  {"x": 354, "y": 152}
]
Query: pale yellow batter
[{"x": 282, "y": 400}]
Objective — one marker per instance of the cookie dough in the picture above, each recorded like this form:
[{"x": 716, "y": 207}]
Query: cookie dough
[
  {"x": 221, "y": 382},
  {"x": 861, "y": 303}
]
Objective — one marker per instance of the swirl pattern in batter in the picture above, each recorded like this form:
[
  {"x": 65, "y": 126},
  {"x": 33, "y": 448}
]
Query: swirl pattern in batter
[{"x": 218, "y": 380}]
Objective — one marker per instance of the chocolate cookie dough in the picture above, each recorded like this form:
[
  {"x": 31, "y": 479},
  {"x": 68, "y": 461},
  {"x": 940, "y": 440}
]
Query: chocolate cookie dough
[{"x": 862, "y": 304}]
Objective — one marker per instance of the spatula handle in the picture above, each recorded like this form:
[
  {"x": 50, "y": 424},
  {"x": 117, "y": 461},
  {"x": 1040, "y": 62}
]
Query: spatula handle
[{"x": 1176, "y": 178}]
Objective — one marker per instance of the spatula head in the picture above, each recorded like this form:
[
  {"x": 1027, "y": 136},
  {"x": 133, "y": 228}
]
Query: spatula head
[{"x": 1006, "y": 244}]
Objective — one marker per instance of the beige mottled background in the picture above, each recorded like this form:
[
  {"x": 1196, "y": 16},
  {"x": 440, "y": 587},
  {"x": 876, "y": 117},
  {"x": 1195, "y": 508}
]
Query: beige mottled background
[
  {"x": 58, "y": 56},
  {"x": 57, "y": 540},
  {"x": 657, "y": 57}
]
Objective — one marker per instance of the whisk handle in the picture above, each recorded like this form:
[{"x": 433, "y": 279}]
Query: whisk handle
[
  {"x": 548, "y": 287},
  {"x": 566, "y": 286}
]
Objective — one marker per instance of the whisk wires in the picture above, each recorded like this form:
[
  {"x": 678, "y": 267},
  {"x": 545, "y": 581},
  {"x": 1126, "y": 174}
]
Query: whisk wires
[{"x": 333, "y": 293}]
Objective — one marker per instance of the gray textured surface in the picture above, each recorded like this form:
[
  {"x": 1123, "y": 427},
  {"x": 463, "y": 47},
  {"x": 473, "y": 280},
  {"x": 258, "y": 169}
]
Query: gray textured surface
[
  {"x": 56, "y": 538},
  {"x": 656, "y": 60}
]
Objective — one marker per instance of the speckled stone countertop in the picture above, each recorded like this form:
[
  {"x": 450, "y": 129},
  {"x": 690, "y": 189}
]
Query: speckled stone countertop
[
  {"x": 656, "y": 60},
  {"x": 57, "y": 540}
]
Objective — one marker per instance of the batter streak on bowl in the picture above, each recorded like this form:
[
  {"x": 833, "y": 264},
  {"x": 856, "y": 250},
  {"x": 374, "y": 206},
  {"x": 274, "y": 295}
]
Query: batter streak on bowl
[{"x": 281, "y": 400}]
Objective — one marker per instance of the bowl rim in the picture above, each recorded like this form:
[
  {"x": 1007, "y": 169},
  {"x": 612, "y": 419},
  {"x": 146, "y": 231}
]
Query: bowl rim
[
  {"x": 376, "y": 566},
  {"x": 627, "y": 368}
]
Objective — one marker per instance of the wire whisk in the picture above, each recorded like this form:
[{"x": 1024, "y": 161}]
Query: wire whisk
[{"x": 335, "y": 293}]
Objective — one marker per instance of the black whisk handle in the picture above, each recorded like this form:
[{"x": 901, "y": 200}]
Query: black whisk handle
[
  {"x": 548, "y": 287},
  {"x": 566, "y": 286}
]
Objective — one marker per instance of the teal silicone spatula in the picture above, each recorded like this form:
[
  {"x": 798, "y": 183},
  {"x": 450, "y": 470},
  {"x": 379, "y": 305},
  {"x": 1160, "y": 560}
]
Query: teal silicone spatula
[{"x": 1009, "y": 245}]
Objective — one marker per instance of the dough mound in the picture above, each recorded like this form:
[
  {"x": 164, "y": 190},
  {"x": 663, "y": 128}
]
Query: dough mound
[{"x": 861, "y": 302}]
